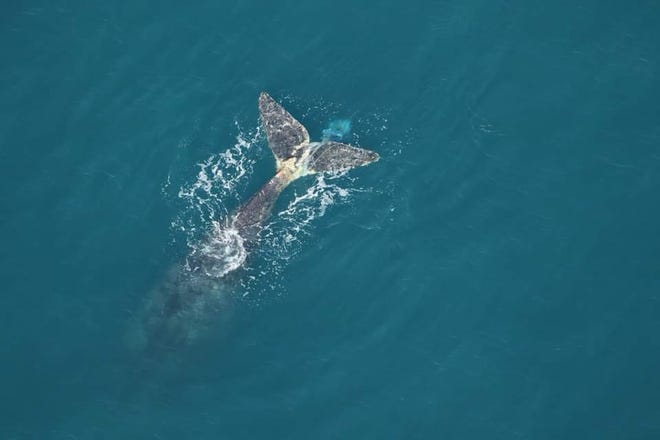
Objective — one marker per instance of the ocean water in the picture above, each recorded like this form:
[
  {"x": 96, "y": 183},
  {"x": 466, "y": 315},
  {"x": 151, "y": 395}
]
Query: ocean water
[{"x": 495, "y": 275}]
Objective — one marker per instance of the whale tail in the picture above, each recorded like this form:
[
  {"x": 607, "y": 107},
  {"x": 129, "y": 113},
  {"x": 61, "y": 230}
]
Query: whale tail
[{"x": 292, "y": 148}]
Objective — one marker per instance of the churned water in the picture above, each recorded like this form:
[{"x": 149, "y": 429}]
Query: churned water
[{"x": 495, "y": 275}]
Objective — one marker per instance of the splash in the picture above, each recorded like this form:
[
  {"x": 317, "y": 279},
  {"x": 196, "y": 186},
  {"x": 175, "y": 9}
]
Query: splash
[
  {"x": 286, "y": 232},
  {"x": 217, "y": 188},
  {"x": 223, "y": 251}
]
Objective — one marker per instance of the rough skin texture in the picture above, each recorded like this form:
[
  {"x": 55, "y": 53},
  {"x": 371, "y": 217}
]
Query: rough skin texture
[{"x": 286, "y": 136}]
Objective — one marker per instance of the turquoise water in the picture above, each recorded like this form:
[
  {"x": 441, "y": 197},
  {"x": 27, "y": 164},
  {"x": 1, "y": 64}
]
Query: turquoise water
[{"x": 496, "y": 275}]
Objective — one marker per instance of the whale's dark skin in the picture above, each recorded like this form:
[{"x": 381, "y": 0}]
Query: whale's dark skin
[{"x": 197, "y": 292}]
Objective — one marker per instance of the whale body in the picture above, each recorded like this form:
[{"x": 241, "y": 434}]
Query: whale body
[{"x": 195, "y": 292}]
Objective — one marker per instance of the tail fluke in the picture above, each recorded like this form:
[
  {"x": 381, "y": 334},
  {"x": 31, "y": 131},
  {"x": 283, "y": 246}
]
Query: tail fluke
[
  {"x": 289, "y": 141},
  {"x": 335, "y": 156}
]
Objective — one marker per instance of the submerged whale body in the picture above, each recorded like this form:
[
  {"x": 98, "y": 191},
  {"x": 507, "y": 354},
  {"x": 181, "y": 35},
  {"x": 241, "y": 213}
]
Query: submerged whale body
[{"x": 195, "y": 293}]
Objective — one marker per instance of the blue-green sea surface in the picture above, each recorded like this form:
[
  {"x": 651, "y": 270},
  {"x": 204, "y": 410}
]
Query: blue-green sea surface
[{"x": 496, "y": 275}]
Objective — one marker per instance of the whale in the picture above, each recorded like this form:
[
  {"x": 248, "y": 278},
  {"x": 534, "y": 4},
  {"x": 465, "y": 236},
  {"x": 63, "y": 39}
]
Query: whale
[{"x": 197, "y": 292}]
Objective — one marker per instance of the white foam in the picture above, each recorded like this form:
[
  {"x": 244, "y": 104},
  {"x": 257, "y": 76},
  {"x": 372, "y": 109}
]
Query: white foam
[
  {"x": 284, "y": 234},
  {"x": 223, "y": 251},
  {"x": 217, "y": 187}
]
